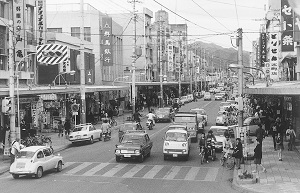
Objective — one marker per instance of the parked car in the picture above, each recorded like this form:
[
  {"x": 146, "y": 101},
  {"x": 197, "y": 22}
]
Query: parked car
[
  {"x": 199, "y": 95},
  {"x": 222, "y": 118},
  {"x": 164, "y": 114},
  {"x": 184, "y": 99},
  {"x": 85, "y": 132},
  {"x": 190, "y": 97},
  {"x": 252, "y": 123},
  {"x": 218, "y": 132},
  {"x": 223, "y": 106},
  {"x": 207, "y": 96},
  {"x": 190, "y": 120},
  {"x": 34, "y": 161},
  {"x": 202, "y": 113},
  {"x": 218, "y": 96},
  {"x": 135, "y": 144},
  {"x": 176, "y": 144}
]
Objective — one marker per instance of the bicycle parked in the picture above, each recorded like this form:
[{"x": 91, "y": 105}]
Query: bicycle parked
[{"x": 227, "y": 160}]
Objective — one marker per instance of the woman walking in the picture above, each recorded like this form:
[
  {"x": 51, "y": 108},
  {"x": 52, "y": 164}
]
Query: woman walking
[
  {"x": 279, "y": 143},
  {"x": 290, "y": 136},
  {"x": 238, "y": 153},
  {"x": 258, "y": 156}
]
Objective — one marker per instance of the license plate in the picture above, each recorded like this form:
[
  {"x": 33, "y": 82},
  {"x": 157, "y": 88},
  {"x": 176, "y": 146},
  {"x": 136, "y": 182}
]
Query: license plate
[
  {"x": 127, "y": 155},
  {"x": 175, "y": 155},
  {"x": 78, "y": 137}
]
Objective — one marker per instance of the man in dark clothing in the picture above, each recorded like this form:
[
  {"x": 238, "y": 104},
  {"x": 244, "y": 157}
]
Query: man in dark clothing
[
  {"x": 67, "y": 126},
  {"x": 260, "y": 133}
]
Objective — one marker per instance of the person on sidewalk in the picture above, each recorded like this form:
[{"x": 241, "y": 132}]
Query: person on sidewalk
[
  {"x": 238, "y": 153},
  {"x": 274, "y": 133},
  {"x": 290, "y": 136},
  {"x": 258, "y": 156},
  {"x": 67, "y": 127},
  {"x": 15, "y": 149},
  {"x": 260, "y": 133},
  {"x": 279, "y": 143},
  {"x": 60, "y": 129}
]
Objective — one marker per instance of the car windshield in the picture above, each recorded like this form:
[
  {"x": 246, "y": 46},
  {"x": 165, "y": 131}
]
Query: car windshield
[
  {"x": 184, "y": 119},
  {"x": 224, "y": 104},
  {"x": 80, "y": 128},
  {"x": 132, "y": 139},
  {"x": 218, "y": 131},
  {"x": 25, "y": 154},
  {"x": 174, "y": 136},
  {"x": 179, "y": 128},
  {"x": 247, "y": 121}
]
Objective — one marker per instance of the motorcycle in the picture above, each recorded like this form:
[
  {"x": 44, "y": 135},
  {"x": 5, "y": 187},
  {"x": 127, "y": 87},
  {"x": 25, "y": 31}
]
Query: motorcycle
[
  {"x": 149, "y": 124},
  {"x": 211, "y": 150},
  {"x": 106, "y": 136}
]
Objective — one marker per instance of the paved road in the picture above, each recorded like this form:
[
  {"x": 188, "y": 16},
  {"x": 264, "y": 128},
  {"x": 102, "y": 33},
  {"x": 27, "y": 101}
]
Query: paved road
[{"x": 92, "y": 168}]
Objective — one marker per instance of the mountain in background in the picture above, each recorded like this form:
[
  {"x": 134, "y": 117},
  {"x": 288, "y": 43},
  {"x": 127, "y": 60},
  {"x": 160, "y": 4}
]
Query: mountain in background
[{"x": 218, "y": 56}]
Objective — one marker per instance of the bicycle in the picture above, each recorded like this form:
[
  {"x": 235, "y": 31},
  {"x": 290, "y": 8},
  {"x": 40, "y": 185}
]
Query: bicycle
[
  {"x": 113, "y": 122},
  {"x": 228, "y": 161}
]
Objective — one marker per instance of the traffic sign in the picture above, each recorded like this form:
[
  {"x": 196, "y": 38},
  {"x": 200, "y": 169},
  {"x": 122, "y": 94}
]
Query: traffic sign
[{"x": 52, "y": 53}]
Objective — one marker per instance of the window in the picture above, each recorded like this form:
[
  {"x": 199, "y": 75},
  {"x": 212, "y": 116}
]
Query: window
[
  {"x": 3, "y": 62},
  {"x": 47, "y": 152},
  {"x": 55, "y": 30},
  {"x": 29, "y": 15},
  {"x": 87, "y": 34},
  {"x": 40, "y": 155},
  {"x": 75, "y": 32},
  {"x": 2, "y": 6}
]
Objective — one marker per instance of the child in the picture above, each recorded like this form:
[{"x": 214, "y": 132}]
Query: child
[
  {"x": 279, "y": 144},
  {"x": 258, "y": 156}
]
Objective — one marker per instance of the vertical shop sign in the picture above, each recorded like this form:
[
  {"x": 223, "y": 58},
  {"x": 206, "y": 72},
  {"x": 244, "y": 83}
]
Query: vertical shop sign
[
  {"x": 296, "y": 27},
  {"x": 170, "y": 55},
  {"x": 41, "y": 21},
  {"x": 287, "y": 38},
  {"x": 106, "y": 41},
  {"x": 18, "y": 12},
  {"x": 258, "y": 53},
  {"x": 263, "y": 49},
  {"x": 274, "y": 54}
]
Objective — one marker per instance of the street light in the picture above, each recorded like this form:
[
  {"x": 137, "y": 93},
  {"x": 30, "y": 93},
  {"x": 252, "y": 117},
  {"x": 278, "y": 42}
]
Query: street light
[
  {"x": 72, "y": 72},
  {"x": 125, "y": 77}
]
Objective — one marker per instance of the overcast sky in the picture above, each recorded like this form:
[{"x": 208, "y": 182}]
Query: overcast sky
[{"x": 206, "y": 18}]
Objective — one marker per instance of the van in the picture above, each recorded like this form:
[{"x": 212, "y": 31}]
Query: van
[{"x": 176, "y": 144}]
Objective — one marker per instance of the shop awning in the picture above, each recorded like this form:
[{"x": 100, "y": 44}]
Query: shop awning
[{"x": 277, "y": 88}]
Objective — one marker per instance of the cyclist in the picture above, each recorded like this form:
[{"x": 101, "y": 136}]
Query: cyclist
[
  {"x": 227, "y": 145},
  {"x": 210, "y": 136},
  {"x": 105, "y": 127},
  {"x": 136, "y": 117},
  {"x": 151, "y": 117},
  {"x": 202, "y": 145}
]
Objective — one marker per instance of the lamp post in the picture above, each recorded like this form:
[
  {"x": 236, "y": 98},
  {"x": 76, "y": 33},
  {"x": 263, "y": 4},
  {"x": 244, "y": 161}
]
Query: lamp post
[
  {"x": 72, "y": 72},
  {"x": 125, "y": 77}
]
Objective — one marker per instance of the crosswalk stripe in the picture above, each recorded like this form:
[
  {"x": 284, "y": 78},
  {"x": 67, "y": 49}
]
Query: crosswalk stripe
[
  {"x": 95, "y": 169},
  {"x": 67, "y": 164},
  {"x": 133, "y": 171},
  {"x": 191, "y": 175},
  {"x": 78, "y": 168},
  {"x": 173, "y": 172},
  {"x": 153, "y": 171},
  {"x": 114, "y": 170},
  {"x": 211, "y": 174}
]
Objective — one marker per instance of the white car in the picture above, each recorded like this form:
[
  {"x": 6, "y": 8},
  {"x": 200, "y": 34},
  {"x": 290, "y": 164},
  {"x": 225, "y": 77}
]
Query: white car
[
  {"x": 184, "y": 99},
  {"x": 218, "y": 132},
  {"x": 85, "y": 132},
  {"x": 34, "y": 161},
  {"x": 224, "y": 105},
  {"x": 222, "y": 118},
  {"x": 218, "y": 96},
  {"x": 207, "y": 96}
]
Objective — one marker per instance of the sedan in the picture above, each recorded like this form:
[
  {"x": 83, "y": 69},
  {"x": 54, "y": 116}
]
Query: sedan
[
  {"x": 85, "y": 132},
  {"x": 34, "y": 161},
  {"x": 207, "y": 96},
  {"x": 218, "y": 96},
  {"x": 164, "y": 114},
  {"x": 218, "y": 132}
]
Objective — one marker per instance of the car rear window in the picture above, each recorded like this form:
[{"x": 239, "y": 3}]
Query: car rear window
[
  {"x": 80, "y": 129},
  {"x": 25, "y": 154},
  {"x": 133, "y": 139}
]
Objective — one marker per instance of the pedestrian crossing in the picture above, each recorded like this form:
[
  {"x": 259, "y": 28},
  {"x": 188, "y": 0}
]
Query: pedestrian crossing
[{"x": 163, "y": 172}]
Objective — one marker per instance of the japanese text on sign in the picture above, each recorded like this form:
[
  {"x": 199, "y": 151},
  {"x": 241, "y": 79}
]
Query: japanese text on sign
[
  {"x": 18, "y": 7},
  {"x": 41, "y": 22},
  {"x": 287, "y": 27},
  {"x": 170, "y": 55},
  {"x": 107, "y": 44},
  {"x": 263, "y": 49},
  {"x": 273, "y": 66}
]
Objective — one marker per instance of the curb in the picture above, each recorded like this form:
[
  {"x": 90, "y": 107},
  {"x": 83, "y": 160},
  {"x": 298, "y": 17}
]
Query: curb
[{"x": 236, "y": 186}]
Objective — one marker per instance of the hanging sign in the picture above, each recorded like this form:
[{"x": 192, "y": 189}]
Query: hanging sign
[
  {"x": 274, "y": 51},
  {"x": 41, "y": 21},
  {"x": 106, "y": 41},
  {"x": 263, "y": 49},
  {"x": 287, "y": 43},
  {"x": 170, "y": 55},
  {"x": 18, "y": 14}
]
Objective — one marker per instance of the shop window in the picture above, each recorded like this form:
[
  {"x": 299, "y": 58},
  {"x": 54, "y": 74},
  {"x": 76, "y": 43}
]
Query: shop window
[
  {"x": 3, "y": 62},
  {"x": 87, "y": 34},
  {"x": 75, "y": 32}
]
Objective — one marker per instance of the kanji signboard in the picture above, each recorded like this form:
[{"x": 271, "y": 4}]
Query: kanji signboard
[
  {"x": 263, "y": 49},
  {"x": 106, "y": 41},
  {"x": 89, "y": 77},
  {"x": 296, "y": 27},
  {"x": 287, "y": 39},
  {"x": 274, "y": 54},
  {"x": 18, "y": 13},
  {"x": 41, "y": 21},
  {"x": 170, "y": 55}
]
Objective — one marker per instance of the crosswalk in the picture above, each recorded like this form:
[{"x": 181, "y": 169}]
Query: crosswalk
[{"x": 164, "y": 172}]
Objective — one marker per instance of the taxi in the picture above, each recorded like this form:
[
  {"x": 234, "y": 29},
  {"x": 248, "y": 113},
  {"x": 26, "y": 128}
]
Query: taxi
[{"x": 85, "y": 132}]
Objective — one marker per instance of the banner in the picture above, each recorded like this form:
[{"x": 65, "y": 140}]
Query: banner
[
  {"x": 41, "y": 21},
  {"x": 170, "y": 55},
  {"x": 106, "y": 41},
  {"x": 18, "y": 15},
  {"x": 263, "y": 49},
  {"x": 274, "y": 54},
  {"x": 287, "y": 41},
  {"x": 296, "y": 27}
]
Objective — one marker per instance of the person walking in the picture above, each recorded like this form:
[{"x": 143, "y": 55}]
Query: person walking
[
  {"x": 67, "y": 127},
  {"x": 274, "y": 133},
  {"x": 260, "y": 133},
  {"x": 238, "y": 153},
  {"x": 60, "y": 129},
  {"x": 279, "y": 143},
  {"x": 290, "y": 136},
  {"x": 15, "y": 149},
  {"x": 258, "y": 156}
]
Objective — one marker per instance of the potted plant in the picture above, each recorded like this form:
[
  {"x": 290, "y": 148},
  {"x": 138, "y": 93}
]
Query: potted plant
[{"x": 246, "y": 178}]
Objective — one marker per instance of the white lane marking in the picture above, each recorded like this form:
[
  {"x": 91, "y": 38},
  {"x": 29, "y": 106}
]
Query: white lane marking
[
  {"x": 67, "y": 164},
  {"x": 114, "y": 170},
  {"x": 78, "y": 168},
  {"x": 191, "y": 175},
  {"x": 173, "y": 172},
  {"x": 206, "y": 104},
  {"x": 153, "y": 171},
  {"x": 95, "y": 169},
  {"x": 211, "y": 174},
  {"x": 133, "y": 171}
]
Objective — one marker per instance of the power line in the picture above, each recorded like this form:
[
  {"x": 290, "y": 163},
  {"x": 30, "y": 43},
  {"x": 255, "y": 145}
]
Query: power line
[{"x": 236, "y": 5}]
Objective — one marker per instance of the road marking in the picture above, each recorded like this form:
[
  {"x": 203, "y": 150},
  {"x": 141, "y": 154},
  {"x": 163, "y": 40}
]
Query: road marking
[
  {"x": 206, "y": 104},
  {"x": 67, "y": 164},
  {"x": 114, "y": 170},
  {"x": 78, "y": 168},
  {"x": 133, "y": 171},
  {"x": 191, "y": 175},
  {"x": 95, "y": 169},
  {"x": 172, "y": 173},
  {"x": 153, "y": 171},
  {"x": 211, "y": 174}
]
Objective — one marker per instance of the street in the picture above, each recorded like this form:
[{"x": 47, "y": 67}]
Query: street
[{"x": 92, "y": 168}]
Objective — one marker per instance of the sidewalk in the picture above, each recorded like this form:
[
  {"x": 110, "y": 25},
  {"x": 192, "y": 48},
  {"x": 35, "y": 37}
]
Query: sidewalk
[
  {"x": 281, "y": 176},
  {"x": 61, "y": 143}
]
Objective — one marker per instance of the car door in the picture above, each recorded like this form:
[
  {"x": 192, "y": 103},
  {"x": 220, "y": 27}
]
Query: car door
[
  {"x": 148, "y": 144},
  {"x": 48, "y": 159},
  {"x": 41, "y": 160}
]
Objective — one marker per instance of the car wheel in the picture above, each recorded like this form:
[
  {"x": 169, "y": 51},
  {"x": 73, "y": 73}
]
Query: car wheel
[
  {"x": 118, "y": 158},
  {"x": 15, "y": 176},
  {"x": 39, "y": 172},
  {"x": 59, "y": 166},
  {"x": 91, "y": 140},
  {"x": 141, "y": 158}
]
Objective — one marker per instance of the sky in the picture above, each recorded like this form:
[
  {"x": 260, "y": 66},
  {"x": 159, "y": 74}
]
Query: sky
[{"x": 209, "y": 21}]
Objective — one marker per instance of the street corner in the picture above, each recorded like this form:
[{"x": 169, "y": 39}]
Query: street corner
[
  {"x": 241, "y": 184},
  {"x": 4, "y": 165}
]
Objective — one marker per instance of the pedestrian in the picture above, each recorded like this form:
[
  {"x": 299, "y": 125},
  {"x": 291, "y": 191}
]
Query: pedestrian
[
  {"x": 67, "y": 127},
  {"x": 258, "y": 156},
  {"x": 267, "y": 126},
  {"x": 238, "y": 153},
  {"x": 15, "y": 149},
  {"x": 260, "y": 133},
  {"x": 274, "y": 133},
  {"x": 290, "y": 137},
  {"x": 60, "y": 129},
  {"x": 279, "y": 143}
]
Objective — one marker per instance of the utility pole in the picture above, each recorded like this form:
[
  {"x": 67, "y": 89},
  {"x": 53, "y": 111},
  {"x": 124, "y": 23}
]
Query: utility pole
[
  {"x": 201, "y": 69},
  {"x": 195, "y": 73},
  {"x": 82, "y": 67},
  {"x": 179, "y": 71},
  {"x": 240, "y": 76},
  {"x": 191, "y": 71},
  {"x": 161, "y": 100},
  {"x": 204, "y": 66},
  {"x": 12, "y": 113}
]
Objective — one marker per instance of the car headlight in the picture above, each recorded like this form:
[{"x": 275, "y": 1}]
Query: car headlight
[
  {"x": 167, "y": 143},
  {"x": 118, "y": 151},
  {"x": 137, "y": 151},
  {"x": 184, "y": 150}
]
